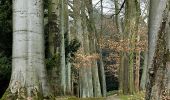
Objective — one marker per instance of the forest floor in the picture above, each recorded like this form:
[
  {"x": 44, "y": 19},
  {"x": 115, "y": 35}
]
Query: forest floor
[
  {"x": 113, "y": 97},
  {"x": 137, "y": 96}
]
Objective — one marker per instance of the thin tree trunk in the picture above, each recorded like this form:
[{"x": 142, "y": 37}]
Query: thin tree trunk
[
  {"x": 120, "y": 31},
  {"x": 144, "y": 72},
  {"x": 93, "y": 42},
  {"x": 67, "y": 40},
  {"x": 62, "y": 48},
  {"x": 101, "y": 66}
]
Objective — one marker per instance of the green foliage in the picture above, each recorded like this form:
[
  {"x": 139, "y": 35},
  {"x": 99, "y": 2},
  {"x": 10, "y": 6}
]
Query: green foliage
[
  {"x": 53, "y": 61},
  {"x": 5, "y": 43},
  {"x": 6, "y": 27},
  {"x": 5, "y": 67},
  {"x": 72, "y": 48},
  {"x": 5, "y": 72}
]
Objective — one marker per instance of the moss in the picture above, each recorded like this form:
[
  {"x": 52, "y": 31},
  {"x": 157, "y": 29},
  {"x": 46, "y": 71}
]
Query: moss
[
  {"x": 53, "y": 61},
  {"x": 21, "y": 94},
  {"x": 8, "y": 96}
]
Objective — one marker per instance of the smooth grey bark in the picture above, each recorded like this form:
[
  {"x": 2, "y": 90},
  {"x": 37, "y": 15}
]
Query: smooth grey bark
[
  {"x": 101, "y": 66},
  {"x": 79, "y": 36},
  {"x": 85, "y": 74},
  {"x": 62, "y": 47},
  {"x": 117, "y": 18},
  {"x": 86, "y": 48},
  {"x": 145, "y": 66},
  {"x": 67, "y": 38},
  {"x": 155, "y": 17},
  {"x": 144, "y": 72},
  {"x": 28, "y": 68},
  {"x": 120, "y": 31},
  {"x": 92, "y": 45},
  {"x": 155, "y": 73}
]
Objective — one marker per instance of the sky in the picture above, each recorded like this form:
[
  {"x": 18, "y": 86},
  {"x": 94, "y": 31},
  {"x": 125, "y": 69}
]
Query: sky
[{"x": 107, "y": 4}]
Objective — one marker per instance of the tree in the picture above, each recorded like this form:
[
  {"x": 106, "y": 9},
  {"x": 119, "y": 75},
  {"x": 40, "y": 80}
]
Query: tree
[
  {"x": 53, "y": 45},
  {"x": 130, "y": 32},
  {"x": 28, "y": 69},
  {"x": 62, "y": 47},
  {"x": 120, "y": 31},
  {"x": 67, "y": 52},
  {"x": 80, "y": 26},
  {"x": 156, "y": 82},
  {"x": 92, "y": 45}
]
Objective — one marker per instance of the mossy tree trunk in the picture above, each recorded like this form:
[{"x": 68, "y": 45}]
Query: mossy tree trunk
[
  {"x": 54, "y": 44},
  {"x": 168, "y": 47},
  {"x": 132, "y": 13}
]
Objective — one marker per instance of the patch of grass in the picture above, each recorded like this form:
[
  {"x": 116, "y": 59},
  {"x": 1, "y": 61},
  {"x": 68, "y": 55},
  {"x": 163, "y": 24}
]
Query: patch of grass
[
  {"x": 74, "y": 98},
  {"x": 137, "y": 96},
  {"x": 112, "y": 93}
]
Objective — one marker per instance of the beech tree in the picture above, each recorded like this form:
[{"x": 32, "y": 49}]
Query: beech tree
[
  {"x": 157, "y": 62},
  {"x": 92, "y": 45},
  {"x": 28, "y": 77}
]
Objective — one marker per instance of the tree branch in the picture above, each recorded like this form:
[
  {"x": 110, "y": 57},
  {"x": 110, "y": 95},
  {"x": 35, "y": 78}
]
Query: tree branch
[{"x": 119, "y": 9}]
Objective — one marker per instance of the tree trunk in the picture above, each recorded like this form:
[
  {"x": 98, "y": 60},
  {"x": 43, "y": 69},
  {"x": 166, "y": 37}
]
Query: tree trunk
[
  {"x": 28, "y": 68},
  {"x": 156, "y": 50},
  {"x": 168, "y": 47},
  {"x": 85, "y": 74},
  {"x": 67, "y": 41},
  {"x": 93, "y": 42},
  {"x": 53, "y": 46},
  {"x": 138, "y": 52},
  {"x": 62, "y": 48},
  {"x": 101, "y": 64},
  {"x": 144, "y": 72},
  {"x": 131, "y": 29},
  {"x": 120, "y": 31}
]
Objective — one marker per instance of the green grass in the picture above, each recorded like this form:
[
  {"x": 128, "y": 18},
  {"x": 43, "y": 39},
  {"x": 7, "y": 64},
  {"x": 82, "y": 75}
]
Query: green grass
[
  {"x": 74, "y": 98},
  {"x": 112, "y": 93},
  {"x": 137, "y": 96}
]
